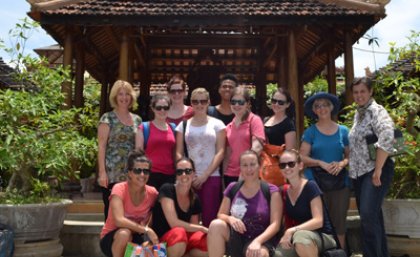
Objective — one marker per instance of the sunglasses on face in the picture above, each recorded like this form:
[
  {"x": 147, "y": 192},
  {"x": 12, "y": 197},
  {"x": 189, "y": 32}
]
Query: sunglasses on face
[
  {"x": 278, "y": 102},
  {"x": 240, "y": 102},
  {"x": 161, "y": 107},
  {"x": 283, "y": 165},
  {"x": 140, "y": 170},
  {"x": 202, "y": 102},
  {"x": 179, "y": 172},
  {"x": 176, "y": 91}
]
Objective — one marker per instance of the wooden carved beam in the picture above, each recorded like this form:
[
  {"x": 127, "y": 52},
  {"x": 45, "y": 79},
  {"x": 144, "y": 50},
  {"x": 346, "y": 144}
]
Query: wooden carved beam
[{"x": 110, "y": 32}]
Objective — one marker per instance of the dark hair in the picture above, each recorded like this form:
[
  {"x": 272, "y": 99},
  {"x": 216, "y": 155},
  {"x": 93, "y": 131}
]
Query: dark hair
[
  {"x": 242, "y": 91},
  {"x": 362, "y": 80},
  {"x": 158, "y": 97},
  {"x": 176, "y": 79},
  {"x": 229, "y": 76},
  {"x": 290, "y": 111},
  {"x": 191, "y": 193},
  {"x": 137, "y": 156},
  {"x": 250, "y": 152}
]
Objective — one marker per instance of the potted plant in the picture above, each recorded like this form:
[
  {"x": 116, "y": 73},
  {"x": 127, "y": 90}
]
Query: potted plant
[{"x": 40, "y": 141}]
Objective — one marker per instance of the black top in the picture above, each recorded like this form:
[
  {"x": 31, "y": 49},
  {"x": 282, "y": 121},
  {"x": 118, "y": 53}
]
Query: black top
[
  {"x": 212, "y": 111},
  {"x": 301, "y": 211},
  {"x": 275, "y": 134},
  {"x": 160, "y": 225}
]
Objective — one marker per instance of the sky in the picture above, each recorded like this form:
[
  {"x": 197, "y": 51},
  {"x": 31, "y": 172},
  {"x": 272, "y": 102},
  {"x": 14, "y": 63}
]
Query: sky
[{"x": 402, "y": 16}]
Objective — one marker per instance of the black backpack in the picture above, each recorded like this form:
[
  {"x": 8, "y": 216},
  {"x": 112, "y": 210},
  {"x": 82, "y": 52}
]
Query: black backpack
[{"x": 264, "y": 188}]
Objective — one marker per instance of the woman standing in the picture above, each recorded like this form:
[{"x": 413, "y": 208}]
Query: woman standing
[
  {"x": 130, "y": 211},
  {"x": 179, "y": 209},
  {"x": 303, "y": 205},
  {"x": 371, "y": 178},
  {"x": 205, "y": 138},
  {"x": 280, "y": 128},
  {"x": 325, "y": 151},
  {"x": 249, "y": 218},
  {"x": 158, "y": 138},
  {"x": 116, "y": 138},
  {"x": 177, "y": 92},
  {"x": 246, "y": 131}
]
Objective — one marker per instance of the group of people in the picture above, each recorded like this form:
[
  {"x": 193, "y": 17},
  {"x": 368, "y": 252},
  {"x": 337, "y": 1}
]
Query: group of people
[{"x": 190, "y": 176}]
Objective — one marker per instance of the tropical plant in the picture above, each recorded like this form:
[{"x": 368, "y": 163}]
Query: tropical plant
[
  {"x": 399, "y": 91},
  {"x": 40, "y": 142}
]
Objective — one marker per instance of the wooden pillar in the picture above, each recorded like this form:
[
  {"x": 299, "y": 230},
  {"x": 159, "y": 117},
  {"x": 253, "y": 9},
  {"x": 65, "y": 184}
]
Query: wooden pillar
[
  {"x": 348, "y": 66},
  {"x": 282, "y": 62},
  {"x": 331, "y": 76},
  {"x": 260, "y": 83},
  {"x": 124, "y": 58},
  {"x": 80, "y": 80},
  {"x": 66, "y": 87},
  {"x": 103, "y": 105},
  {"x": 293, "y": 82}
]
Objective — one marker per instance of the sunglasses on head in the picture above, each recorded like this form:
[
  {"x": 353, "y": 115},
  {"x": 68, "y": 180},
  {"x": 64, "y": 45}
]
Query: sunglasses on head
[
  {"x": 176, "y": 91},
  {"x": 202, "y": 102},
  {"x": 240, "y": 102},
  {"x": 283, "y": 165},
  {"x": 179, "y": 172},
  {"x": 278, "y": 102},
  {"x": 140, "y": 170},
  {"x": 161, "y": 107}
]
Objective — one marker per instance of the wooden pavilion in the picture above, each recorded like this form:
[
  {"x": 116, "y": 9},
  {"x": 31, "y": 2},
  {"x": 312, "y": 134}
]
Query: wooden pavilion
[{"x": 261, "y": 41}]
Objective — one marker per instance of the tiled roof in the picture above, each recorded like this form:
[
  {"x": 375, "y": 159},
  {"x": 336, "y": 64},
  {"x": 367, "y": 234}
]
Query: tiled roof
[
  {"x": 7, "y": 79},
  {"x": 192, "y": 8}
]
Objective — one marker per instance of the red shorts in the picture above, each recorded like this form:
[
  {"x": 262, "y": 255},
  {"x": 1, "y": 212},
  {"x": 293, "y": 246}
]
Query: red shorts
[{"x": 194, "y": 240}]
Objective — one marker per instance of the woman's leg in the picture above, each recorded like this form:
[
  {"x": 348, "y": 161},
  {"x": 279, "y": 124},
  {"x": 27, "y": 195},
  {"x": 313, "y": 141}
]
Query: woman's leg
[
  {"x": 106, "y": 192},
  {"x": 176, "y": 240},
  {"x": 217, "y": 237},
  {"x": 370, "y": 199},
  {"x": 209, "y": 195},
  {"x": 121, "y": 238}
]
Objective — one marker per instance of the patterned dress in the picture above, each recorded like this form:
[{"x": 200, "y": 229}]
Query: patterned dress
[{"x": 121, "y": 141}]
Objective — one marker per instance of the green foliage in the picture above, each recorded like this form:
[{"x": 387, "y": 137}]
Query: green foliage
[
  {"x": 38, "y": 137},
  {"x": 400, "y": 95}
]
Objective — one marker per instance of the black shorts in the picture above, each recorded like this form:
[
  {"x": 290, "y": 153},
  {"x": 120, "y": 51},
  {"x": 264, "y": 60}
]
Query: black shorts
[
  {"x": 107, "y": 241},
  {"x": 237, "y": 245}
]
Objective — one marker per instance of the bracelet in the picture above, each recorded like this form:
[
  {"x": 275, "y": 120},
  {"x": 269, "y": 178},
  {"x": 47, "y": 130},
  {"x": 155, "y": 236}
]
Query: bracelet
[
  {"x": 296, "y": 229},
  {"x": 146, "y": 229}
]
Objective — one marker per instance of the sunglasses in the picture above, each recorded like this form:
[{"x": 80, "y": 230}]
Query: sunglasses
[
  {"x": 140, "y": 170},
  {"x": 278, "y": 102},
  {"x": 283, "y": 165},
  {"x": 161, "y": 107},
  {"x": 240, "y": 102},
  {"x": 179, "y": 172},
  {"x": 176, "y": 91},
  {"x": 202, "y": 102},
  {"x": 319, "y": 106}
]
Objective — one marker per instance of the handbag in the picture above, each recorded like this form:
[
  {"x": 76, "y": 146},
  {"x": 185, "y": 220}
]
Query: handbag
[
  {"x": 270, "y": 170},
  {"x": 398, "y": 144},
  {"x": 328, "y": 182},
  {"x": 145, "y": 250}
]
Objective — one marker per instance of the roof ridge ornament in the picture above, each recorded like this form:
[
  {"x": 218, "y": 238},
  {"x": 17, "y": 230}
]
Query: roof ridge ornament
[
  {"x": 43, "y": 5},
  {"x": 376, "y": 6}
]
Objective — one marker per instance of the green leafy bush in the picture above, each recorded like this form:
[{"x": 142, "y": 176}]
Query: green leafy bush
[{"x": 40, "y": 141}]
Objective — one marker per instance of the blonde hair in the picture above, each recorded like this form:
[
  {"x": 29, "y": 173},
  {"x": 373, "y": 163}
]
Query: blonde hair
[
  {"x": 118, "y": 85},
  {"x": 200, "y": 90}
]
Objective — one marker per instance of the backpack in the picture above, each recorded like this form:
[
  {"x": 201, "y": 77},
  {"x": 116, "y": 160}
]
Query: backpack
[
  {"x": 146, "y": 131},
  {"x": 6, "y": 241},
  {"x": 264, "y": 188}
]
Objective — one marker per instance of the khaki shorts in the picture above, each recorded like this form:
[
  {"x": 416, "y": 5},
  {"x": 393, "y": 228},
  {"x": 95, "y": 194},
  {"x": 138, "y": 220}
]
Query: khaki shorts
[{"x": 306, "y": 237}]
